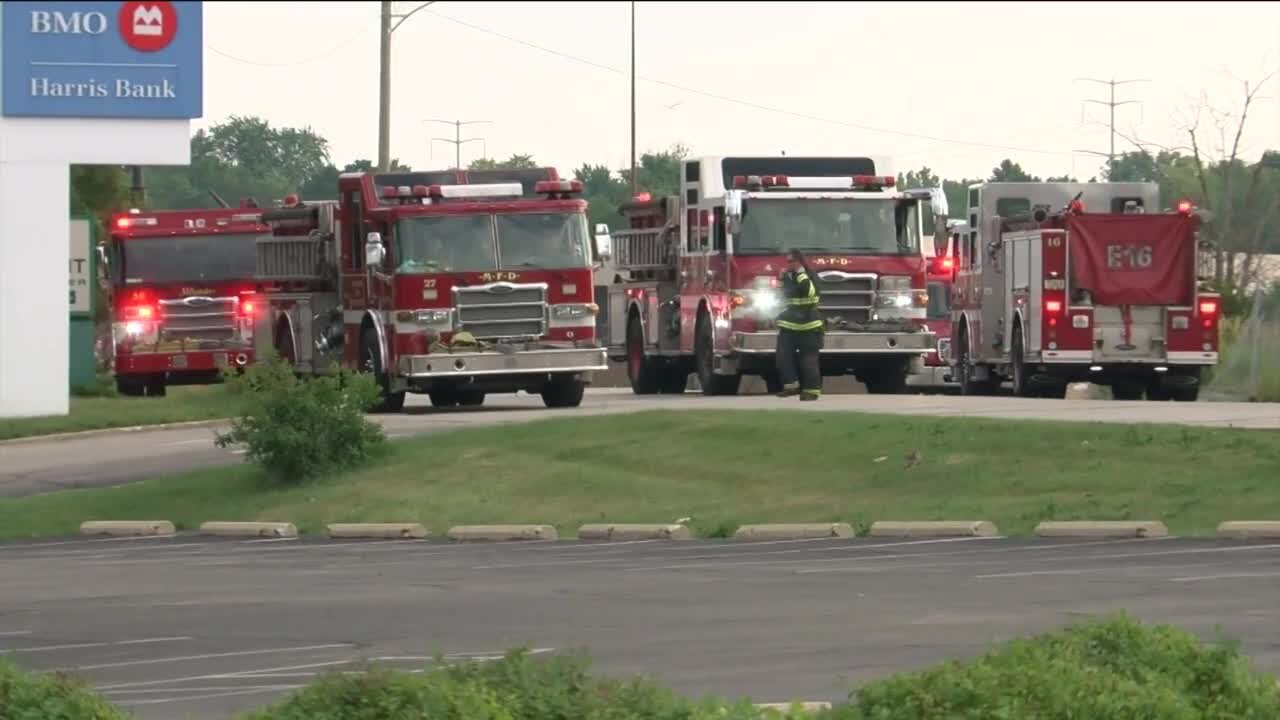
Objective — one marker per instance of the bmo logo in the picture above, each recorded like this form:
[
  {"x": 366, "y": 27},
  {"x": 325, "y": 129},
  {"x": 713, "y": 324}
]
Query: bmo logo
[
  {"x": 148, "y": 26},
  {"x": 144, "y": 26}
]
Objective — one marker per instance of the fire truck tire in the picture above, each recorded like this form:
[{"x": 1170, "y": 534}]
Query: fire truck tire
[
  {"x": 885, "y": 381},
  {"x": 704, "y": 358},
  {"x": 673, "y": 380},
  {"x": 640, "y": 370},
  {"x": 443, "y": 398},
  {"x": 563, "y": 393},
  {"x": 371, "y": 361},
  {"x": 130, "y": 388},
  {"x": 470, "y": 399},
  {"x": 156, "y": 387},
  {"x": 969, "y": 386},
  {"x": 1187, "y": 394}
]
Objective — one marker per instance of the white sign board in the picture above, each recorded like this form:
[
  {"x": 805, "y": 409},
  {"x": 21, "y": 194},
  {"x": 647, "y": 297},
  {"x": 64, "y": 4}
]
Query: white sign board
[{"x": 82, "y": 281}]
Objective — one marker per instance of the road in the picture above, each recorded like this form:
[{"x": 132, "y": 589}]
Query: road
[
  {"x": 171, "y": 626},
  {"x": 44, "y": 464}
]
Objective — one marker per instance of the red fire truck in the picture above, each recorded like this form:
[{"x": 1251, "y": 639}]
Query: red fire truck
[
  {"x": 452, "y": 283},
  {"x": 942, "y": 268},
  {"x": 696, "y": 288},
  {"x": 182, "y": 295},
  {"x": 1067, "y": 282}
]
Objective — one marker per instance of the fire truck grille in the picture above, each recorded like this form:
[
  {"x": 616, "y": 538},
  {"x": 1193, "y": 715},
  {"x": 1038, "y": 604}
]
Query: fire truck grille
[
  {"x": 199, "y": 319},
  {"x": 491, "y": 312},
  {"x": 846, "y": 298}
]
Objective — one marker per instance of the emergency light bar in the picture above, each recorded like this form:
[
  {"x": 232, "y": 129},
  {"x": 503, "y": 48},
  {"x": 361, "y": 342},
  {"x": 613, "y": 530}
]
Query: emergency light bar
[
  {"x": 553, "y": 187},
  {"x": 857, "y": 182},
  {"x": 125, "y": 222},
  {"x": 475, "y": 191}
]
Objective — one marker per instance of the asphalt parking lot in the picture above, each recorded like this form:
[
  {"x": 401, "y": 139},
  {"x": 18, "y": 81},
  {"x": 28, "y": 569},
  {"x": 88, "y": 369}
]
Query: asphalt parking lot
[{"x": 188, "y": 626}]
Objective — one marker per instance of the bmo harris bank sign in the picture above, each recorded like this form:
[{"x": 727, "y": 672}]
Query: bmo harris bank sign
[{"x": 137, "y": 60}]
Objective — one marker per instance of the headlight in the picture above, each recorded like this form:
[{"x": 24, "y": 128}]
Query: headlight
[
  {"x": 894, "y": 283},
  {"x": 896, "y": 299},
  {"x": 766, "y": 301}
]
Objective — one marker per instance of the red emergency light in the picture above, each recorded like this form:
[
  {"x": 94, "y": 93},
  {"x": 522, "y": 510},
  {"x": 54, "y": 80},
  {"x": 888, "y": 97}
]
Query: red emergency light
[
  {"x": 132, "y": 221},
  {"x": 944, "y": 264},
  {"x": 553, "y": 187},
  {"x": 291, "y": 200},
  {"x": 388, "y": 192},
  {"x": 246, "y": 308},
  {"x": 1077, "y": 206},
  {"x": 421, "y": 191},
  {"x": 1208, "y": 307},
  {"x": 1052, "y": 306},
  {"x": 874, "y": 181},
  {"x": 1184, "y": 207},
  {"x": 643, "y": 197}
]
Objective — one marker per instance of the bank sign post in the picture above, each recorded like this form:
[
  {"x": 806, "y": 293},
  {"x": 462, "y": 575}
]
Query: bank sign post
[{"x": 102, "y": 59}]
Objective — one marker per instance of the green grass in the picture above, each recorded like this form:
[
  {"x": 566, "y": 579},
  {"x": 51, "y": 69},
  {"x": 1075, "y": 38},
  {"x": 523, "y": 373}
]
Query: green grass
[
  {"x": 723, "y": 469},
  {"x": 204, "y": 402}
]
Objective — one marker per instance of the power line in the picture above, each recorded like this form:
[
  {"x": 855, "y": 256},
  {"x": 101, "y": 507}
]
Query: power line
[
  {"x": 745, "y": 103},
  {"x": 304, "y": 61},
  {"x": 1111, "y": 104}
]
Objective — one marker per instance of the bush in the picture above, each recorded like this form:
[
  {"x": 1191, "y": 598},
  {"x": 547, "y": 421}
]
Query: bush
[
  {"x": 1112, "y": 669},
  {"x": 515, "y": 688},
  {"x": 30, "y": 696},
  {"x": 297, "y": 429}
]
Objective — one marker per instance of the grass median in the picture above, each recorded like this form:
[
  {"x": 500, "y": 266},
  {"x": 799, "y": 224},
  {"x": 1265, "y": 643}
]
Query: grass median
[
  {"x": 726, "y": 468},
  {"x": 180, "y": 404}
]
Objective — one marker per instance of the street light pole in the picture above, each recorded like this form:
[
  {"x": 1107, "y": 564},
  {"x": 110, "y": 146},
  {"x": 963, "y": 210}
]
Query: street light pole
[
  {"x": 384, "y": 78},
  {"x": 633, "y": 99},
  {"x": 457, "y": 136}
]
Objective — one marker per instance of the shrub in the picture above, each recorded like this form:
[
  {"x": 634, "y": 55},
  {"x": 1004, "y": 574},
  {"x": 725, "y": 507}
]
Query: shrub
[
  {"x": 1114, "y": 668},
  {"x": 516, "y": 687},
  {"x": 297, "y": 429},
  {"x": 32, "y": 696}
]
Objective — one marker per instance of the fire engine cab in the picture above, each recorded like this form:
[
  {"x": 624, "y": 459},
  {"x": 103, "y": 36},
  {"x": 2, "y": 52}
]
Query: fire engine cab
[
  {"x": 1067, "y": 282},
  {"x": 937, "y": 375},
  {"x": 182, "y": 295},
  {"x": 455, "y": 284},
  {"x": 695, "y": 276}
]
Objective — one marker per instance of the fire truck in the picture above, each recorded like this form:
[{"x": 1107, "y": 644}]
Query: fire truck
[
  {"x": 937, "y": 375},
  {"x": 1068, "y": 282},
  {"x": 696, "y": 285},
  {"x": 455, "y": 284},
  {"x": 182, "y": 291}
]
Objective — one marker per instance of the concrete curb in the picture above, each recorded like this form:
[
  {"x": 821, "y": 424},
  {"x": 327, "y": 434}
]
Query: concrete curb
[
  {"x": 794, "y": 531},
  {"x": 249, "y": 529},
  {"x": 502, "y": 533},
  {"x": 625, "y": 532},
  {"x": 1102, "y": 529},
  {"x": 809, "y": 707},
  {"x": 1249, "y": 529},
  {"x": 384, "y": 531},
  {"x": 127, "y": 528},
  {"x": 933, "y": 528},
  {"x": 53, "y": 437}
]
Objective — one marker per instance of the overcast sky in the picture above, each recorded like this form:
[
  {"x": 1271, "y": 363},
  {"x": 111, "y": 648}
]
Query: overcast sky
[{"x": 955, "y": 86}]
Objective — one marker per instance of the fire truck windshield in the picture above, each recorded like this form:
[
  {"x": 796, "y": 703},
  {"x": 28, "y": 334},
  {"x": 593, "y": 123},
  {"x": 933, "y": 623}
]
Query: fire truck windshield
[
  {"x": 839, "y": 225},
  {"x": 466, "y": 243},
  {"x": 186, "y": 258}
]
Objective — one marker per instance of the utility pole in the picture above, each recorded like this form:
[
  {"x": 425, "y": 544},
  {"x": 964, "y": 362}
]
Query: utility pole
[
  {"x": 457, "y": 136},
  {"x": 1111, "y": 104},
  {"x": 634, "y": 178},
  {"x": 384, "y": 78}
]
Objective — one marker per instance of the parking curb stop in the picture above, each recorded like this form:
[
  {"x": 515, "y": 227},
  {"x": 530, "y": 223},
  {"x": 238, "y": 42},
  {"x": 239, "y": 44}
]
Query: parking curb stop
[
  {"x": 249, "y": 529},
  {"x": 1102, "y": 529},
  {"x": 502, "y": 533},
  {"x": 934, "y": 528},
  {"x": 127, "y": 528},
  {"x": 626, "y": 532},
  {"x": 380, "y": 531},
  {"x": 810, "y": 531}
]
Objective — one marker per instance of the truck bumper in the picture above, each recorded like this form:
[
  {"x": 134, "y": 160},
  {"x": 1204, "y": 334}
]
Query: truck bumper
[
  {"x": 524, "y": 362},
  {"x": 932, "y": 376},
  {"x": 150, "y": 363},
  {"x": 841, "y": 343},
  {"x": 1073, "y": 357}
]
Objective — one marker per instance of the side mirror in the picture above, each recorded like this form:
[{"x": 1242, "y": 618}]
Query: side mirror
[
  {"x": 374, "y": 252},
  {"x": 733, "y": 207},
  {"x": 102, "y": 257},
  {"x": 604, "y": 243}
]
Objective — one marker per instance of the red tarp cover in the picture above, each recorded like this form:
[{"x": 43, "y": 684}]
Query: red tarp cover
[{"x": 1133, "y": 259}]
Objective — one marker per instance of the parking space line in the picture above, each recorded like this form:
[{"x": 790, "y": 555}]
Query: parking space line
[
  {"x": 170, "y": 691},
  {"x": 81, "y": 646},
  {"x": 189, "y": 698},
  {"x": 211, "y": 656},
  {"x": 247, "y": 674},
  {"x": 771, "y": 553},
  {"x": 12, "y": 633},
  {"x": 1224, "y": 576}
]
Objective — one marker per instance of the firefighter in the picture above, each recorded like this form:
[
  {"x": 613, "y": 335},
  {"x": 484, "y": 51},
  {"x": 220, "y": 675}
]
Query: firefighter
[{"x": 799, "y": 332}]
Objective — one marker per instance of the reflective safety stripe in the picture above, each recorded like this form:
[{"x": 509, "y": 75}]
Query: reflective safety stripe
[
  {"x": 805, "y": 326},
  {"x": 802, "y": 301},
  {"x": 812, "y": 392}
]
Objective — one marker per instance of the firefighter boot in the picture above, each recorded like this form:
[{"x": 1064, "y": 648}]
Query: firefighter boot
[
  {"x": 790, "y": 390},
  {"x": 809, "y": 395}
]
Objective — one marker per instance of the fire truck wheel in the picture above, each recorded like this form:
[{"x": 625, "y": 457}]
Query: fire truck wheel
[
  {"x": 470, "y": 399},
  {"x": 443, "y": 398},
  {"x": 156, "y": 387},
  {"x": 885, "y": 381},
  {"x": 371, "y": 362},
  {"x": 673, "y": 381},
  {"x": 1186, "y": 394},
  {"x": 563, "y": 393},
  {"x": 640, "y": 371},
  {"x": 704, "y": 357},
  {"x": 130, "y": 388}
]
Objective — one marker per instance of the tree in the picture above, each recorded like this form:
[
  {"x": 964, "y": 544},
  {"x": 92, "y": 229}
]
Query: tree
[
  {"x": 515, "y": 162},
  {"x": 1010, "y": 171},
  {"x": 243, "y": 157}
]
